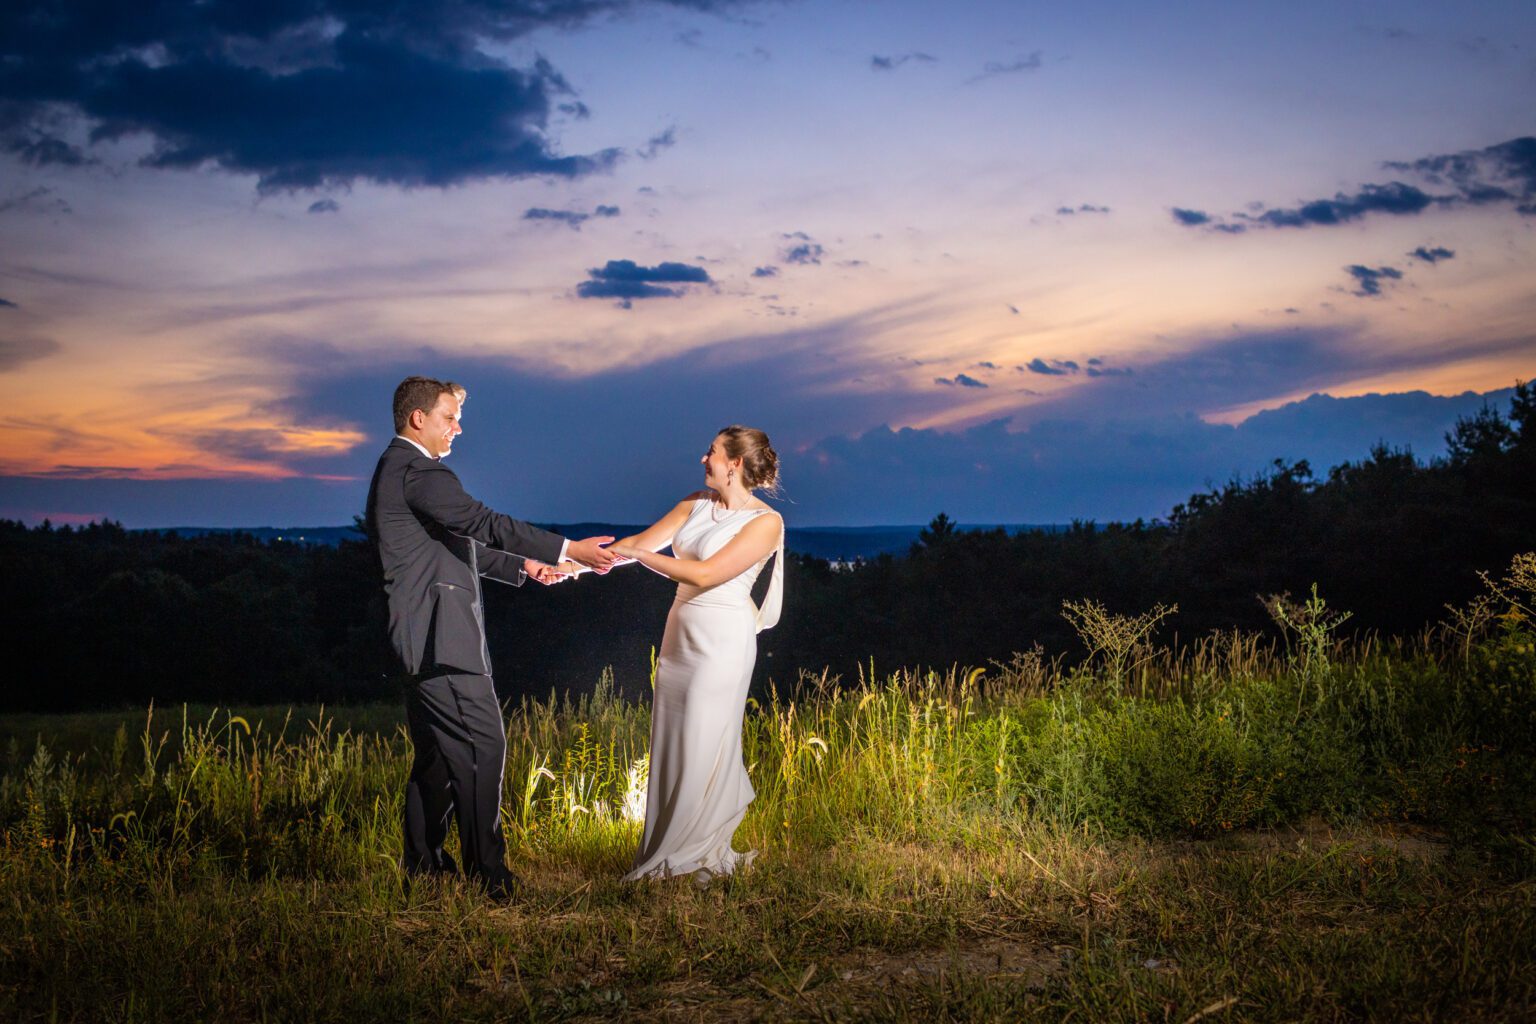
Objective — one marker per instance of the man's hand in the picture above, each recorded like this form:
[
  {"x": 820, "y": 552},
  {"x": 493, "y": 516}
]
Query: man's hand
[
  {"x": 591, "y": 553},
  {"x": 542, "y": 572}
]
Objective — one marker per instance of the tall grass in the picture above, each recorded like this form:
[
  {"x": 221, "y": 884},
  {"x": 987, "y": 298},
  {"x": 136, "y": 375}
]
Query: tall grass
[
  {"x": 1228, "y": 734},
  {"x": 999, "y": 765}
]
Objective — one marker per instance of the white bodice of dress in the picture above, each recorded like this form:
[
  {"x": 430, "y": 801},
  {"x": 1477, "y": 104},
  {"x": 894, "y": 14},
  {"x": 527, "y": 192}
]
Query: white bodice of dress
[{"x": 709, "y": 528}]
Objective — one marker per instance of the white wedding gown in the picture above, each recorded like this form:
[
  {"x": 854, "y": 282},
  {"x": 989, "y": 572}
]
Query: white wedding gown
[{"x": 698, "y": 789}]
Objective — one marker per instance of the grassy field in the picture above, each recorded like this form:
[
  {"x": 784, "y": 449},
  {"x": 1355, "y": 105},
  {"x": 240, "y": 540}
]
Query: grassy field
[{"x": 1236, "y": 831}]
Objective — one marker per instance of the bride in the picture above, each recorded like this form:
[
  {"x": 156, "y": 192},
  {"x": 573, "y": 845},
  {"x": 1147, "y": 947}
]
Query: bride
[{"x": 698, "y": 790}]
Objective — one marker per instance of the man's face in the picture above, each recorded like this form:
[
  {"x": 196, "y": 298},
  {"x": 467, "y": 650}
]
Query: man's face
[{"x": 441, "y": 425}]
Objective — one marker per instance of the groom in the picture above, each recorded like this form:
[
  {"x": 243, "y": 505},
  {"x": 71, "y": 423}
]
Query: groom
[{"x": 435, "y": 542}]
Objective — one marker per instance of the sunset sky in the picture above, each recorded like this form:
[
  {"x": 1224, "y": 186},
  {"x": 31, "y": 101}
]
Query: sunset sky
[{"x": 1018, "y": 262}]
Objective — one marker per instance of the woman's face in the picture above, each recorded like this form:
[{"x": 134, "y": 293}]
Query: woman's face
[{"x": 716, "y": 466}]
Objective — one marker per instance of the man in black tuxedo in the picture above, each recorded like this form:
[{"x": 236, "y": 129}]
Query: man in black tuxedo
[{"x": 435, "y": 542}]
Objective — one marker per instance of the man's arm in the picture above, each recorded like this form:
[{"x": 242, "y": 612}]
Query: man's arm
[
  {"x": 501, "y": 566},
  {"x": 434, "y": 491},
  {"x": 515, "y": 569}
]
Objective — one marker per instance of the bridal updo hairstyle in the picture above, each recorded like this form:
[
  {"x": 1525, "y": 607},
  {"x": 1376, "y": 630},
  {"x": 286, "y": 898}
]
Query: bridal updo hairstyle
[
  {"x": 421, "y": 393},
  {"x": 759, "y": 462}
]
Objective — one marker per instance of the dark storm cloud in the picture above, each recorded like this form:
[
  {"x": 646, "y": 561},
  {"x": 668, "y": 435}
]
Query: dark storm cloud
[
  {"x": 1434, "y": 255},
  {"x": 8, "y": 304},
  {"x": 1368, "y": 279},
  {"x": 301, "y": 94},
  {"x": 16, "y": 352},
  {"x": 605, "y": 211},
  {"x": 878, "y": 63},
  {"x": 766, "y": 272},
  {"x": 993, "y": 68},
  {"x": 1191, "y": 218},
  {"x": 960, "y": 380},
  {"x": 324, "y": 206}
]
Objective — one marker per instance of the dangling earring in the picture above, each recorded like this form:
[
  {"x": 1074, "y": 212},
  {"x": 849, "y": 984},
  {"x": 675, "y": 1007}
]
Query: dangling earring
[{"x": 730, "y": 475}]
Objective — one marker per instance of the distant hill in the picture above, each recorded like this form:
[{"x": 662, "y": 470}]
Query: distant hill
[{"x": 836, "y": 543}]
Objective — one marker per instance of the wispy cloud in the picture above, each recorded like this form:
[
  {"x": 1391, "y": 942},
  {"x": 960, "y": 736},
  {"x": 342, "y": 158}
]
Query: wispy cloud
[
  {"x": 1432, "y": 255},
  {"x": 963, "y": 380},
  {"x": 891, "y": 63},
  {"x": 658, "y": 142},
  {"x": 41, "y": 199},
  {"x": 16, "y": 352},
  {"x": 572, "y": 219},
  {"x": 1019, "y": 65}
]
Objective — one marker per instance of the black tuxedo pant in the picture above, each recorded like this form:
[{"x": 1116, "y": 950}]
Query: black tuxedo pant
[{"x": 461, "y": 748}]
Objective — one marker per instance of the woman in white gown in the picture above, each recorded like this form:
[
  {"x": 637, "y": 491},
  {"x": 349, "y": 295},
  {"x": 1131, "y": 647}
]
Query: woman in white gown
[{"x": 698, "y": 790}]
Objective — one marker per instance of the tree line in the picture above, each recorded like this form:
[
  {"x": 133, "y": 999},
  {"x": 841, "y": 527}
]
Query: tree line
[{"x": 100, "y": 616}]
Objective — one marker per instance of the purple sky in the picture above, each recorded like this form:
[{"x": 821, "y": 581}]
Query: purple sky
[{"x": 1019, "y": 264}]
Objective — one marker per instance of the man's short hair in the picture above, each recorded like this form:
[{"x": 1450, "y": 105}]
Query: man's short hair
[{"x": 421, "y": 393}]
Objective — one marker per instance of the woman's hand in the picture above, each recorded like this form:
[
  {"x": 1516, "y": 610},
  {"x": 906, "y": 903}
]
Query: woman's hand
[
  {"x": 542, "y": 572},
  {"x": 625, "y": 551}
]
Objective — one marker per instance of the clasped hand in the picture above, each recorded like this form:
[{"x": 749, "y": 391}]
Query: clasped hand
[{"x": 586, "y": 555}]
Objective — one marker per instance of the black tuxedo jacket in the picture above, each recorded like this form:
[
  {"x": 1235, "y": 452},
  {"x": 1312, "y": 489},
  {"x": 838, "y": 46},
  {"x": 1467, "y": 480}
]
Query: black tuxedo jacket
[{"x": 435, "y": 542}]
